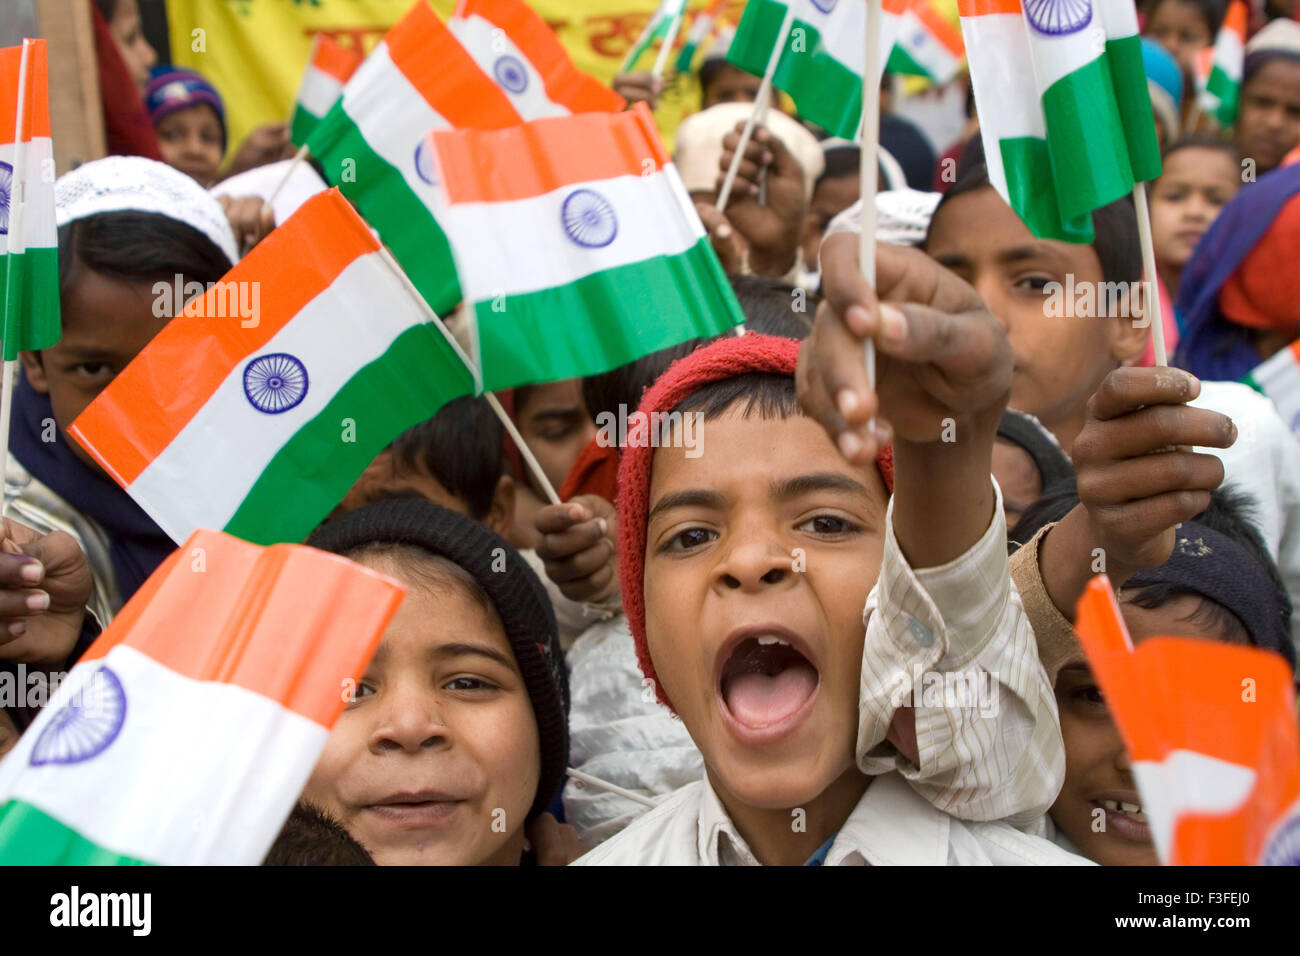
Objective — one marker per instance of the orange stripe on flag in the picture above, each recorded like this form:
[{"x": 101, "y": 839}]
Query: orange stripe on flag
[
  {"x": 288, "y": 622},
  {"x": 1236, "y": 18},
  {"x": 545, "y": 155},
  {"x": 37, "y": 121},
  {"x": 939, "y": 26},
  {"x": 334, "y": 59},
  {"x": 565, "y": 83},
  {"x": 435, "y": 63},
  {"x": 894, "y": 6},
  {"x": 981, "y": 8},
  {"x": 154, "y": 397}
]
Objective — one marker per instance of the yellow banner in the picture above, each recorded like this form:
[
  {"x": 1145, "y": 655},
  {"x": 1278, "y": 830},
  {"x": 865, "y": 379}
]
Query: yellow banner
[{"x": 254, "y": 51}]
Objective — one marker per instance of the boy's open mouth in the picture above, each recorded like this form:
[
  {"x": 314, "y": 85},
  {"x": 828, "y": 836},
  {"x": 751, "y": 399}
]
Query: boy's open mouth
[
  {"x": 1126, "y": 819},
  {"x": 766, "y": 679}
]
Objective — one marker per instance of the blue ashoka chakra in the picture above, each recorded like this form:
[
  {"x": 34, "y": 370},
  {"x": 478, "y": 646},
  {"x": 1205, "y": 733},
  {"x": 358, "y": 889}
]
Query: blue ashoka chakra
[
  {"x": 85, "y": 726},
  {"x": 511, "y": 74},
  {"x": 825, "y": 6},
  {"x": 589, "y": 219},
  {"x": 275, "y": 383},
  {"x": 6, "y": 190},
  {"x": 1283, "y": 847},
  {"x": 424, "y": 163},
  {"x": 1058, "y": 17}
]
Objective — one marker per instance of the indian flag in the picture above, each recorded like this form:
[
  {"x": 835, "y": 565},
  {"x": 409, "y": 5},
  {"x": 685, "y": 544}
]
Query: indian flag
[
  {"x": 185, "y": 734},
  {"x": 655, "y": 29},
  {"x": 515, "y": 47},
  {"x": 258, "y": 420},
  {"x": 823, "y": 56},
  {"x": 29, "y": 239},
  {"x": 1128, "y": 78},
  {"x": 927, "y": 44},
  {"x": 1223, "y": 85},
  {"x": 576, "y": 261},
  {"x": 329, "y": 68},
  {"x": 701, "y": 29},
  {"x": 371, "y": 143},
  {"x": 1054, "y": 139},
  {"x": 1279, "y": 378}
]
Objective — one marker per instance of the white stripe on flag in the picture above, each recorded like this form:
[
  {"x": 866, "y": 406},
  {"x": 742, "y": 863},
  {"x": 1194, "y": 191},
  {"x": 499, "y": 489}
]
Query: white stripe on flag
[
  {"x": 201, "y": 771},
  {"x": 319, "y": 91},
  {"x": 39, "y": 229},
  {"x": 1119, "y": 18},
  {"x": 1056, "y": 57},
  {"x": 362, "y": 311},
  {"x": 488, "y": 236},
  {"x": 393, "y": 117},
  {"x": 498, "y": 57}
]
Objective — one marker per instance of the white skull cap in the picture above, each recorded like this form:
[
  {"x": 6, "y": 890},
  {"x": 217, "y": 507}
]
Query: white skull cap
[{"x": 136, "y": 184}]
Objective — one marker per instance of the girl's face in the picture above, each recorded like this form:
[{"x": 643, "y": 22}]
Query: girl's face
[
  {"x": 1268, "y": 120},
  {"x": 134, "y": 49},
  {"x": 437, "y": 759},
  {"x": 106, "y": 323},
  {"x": 1196, "y": 183},
  {"x": 190, "y": 140},
  {"x": 1181, "y": 28}
]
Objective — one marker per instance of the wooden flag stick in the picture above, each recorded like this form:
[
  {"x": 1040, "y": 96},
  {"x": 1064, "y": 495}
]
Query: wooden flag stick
[
  {"x": 298, "y": 157},
  {"x": 870, "y": 138},
  {"x": 13, "y": 288},
  {"x": 662, "y": 59},
  {"x": 534, "y": 466},
  {"x": 764, "y": 91},
  {"x": 1151, "y": 307},
  {"x": 599, "y": 784}
]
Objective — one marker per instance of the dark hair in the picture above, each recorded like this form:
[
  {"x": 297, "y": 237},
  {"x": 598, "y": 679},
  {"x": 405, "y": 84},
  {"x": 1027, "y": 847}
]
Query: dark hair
[
  {"x": 626, "y": 384},
  {"x": 1258, "y": 59},
  {"x": 710, "y": 71},
  {"x": 840, "y": 161},
  {"x": 460, "y": 446},
  {"x": 137, "y": 246},
  {"x": 767, "y": 394},
  {"x": 1230, "y": 513},
  {"x": 769, "y": 306},
  {"x": 311, "y": 837},
  {"x": 1114, "y": 225},
  {"x": 1212, "y": 11},
  {"x": 1202, "y": 141}
]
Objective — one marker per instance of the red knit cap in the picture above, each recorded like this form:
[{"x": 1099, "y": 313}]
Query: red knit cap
[
  {"x": 1263, "y": 292},
  {"x": 726, "y": 358}
]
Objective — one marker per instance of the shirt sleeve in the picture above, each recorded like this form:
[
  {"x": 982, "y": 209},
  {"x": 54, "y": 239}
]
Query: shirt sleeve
[{"x": 954, "y": 643}]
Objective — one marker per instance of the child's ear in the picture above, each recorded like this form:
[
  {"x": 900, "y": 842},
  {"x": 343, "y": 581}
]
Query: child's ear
[
  {"x": 35, "y": 372},
  {"x": 369, "y": 483},
  {"x": 1129, "y": 338},
  {"x": 501, "y": 516}
]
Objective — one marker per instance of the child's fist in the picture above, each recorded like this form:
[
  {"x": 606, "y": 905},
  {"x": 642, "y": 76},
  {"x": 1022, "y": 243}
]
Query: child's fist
[
  {"x": 577, "y": 547},
  {"x": 942, "y": 358},
  {"x": 44, "y": 585},
  {"x": 1137, "y": 474}
]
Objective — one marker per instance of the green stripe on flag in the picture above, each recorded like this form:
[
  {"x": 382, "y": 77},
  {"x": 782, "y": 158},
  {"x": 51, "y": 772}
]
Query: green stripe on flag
[
  {"x": 386, "y": 202},
  {"x": 900, "y": 61},
  {"x": 1249, "y": 379},
  {"x": 1085, "y": 140},
  {"x": 36, "y": 275},
  {"x": 1227, "y": 91},
  {"x": 1129, "y": 79},
  {"x": 403, "y": 387},
  {"x": 302, "y": 124},
  {"x": 31, "y": 837},
  {"x": 1028, "y": 170},
  {"x": 535, "y": 338},
  {"x": 826, "y": 91}
]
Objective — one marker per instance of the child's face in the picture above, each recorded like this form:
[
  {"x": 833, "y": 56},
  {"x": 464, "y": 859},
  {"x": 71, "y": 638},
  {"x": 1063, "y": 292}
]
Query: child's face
[
  {"x": 554, "y": 422},
  {"x": 1195, "y": 185},
  {"x": 1268, "y": 119},
  {"x": 190, "y": 140},
  {"x": 106, "y": 323},
  {"x": 1060, "y": 359},
  {"x": 732, "y": 85},
  {"x": 1180, "y": 28},
  {"x": 437, "y": 759},
  {"x": 759, "y": 557},
  {"x": 1098, "y": 775},
  {"x": 128, "y": 35},
  {"x": 831, "y": 197}
]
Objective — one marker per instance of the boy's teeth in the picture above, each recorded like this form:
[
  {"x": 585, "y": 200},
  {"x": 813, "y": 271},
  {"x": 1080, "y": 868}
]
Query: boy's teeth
[
  {"x": 768, "y": 639},
  {"x": 1133, "y": 810},
  {"x": 1131, "y": 807}
]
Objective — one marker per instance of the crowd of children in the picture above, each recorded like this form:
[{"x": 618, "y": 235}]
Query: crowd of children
[{"x": 711, "y": 651}]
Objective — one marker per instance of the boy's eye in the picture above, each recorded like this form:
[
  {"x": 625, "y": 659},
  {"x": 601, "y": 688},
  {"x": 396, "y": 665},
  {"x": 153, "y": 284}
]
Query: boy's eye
[
  {"x": 829, "y": 525},
  {"x": 93, "y": 369},
  {"x": 469, "y": 684},
  {"x": 688, "y": 539},
  {"x": 1035, "y": 284},
  {"x": 1089, "y": 694},
  {"x": 362, "y": 689}
]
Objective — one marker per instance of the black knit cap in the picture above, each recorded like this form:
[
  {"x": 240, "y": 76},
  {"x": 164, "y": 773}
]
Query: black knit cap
[{"x": 510, "y": 584}]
